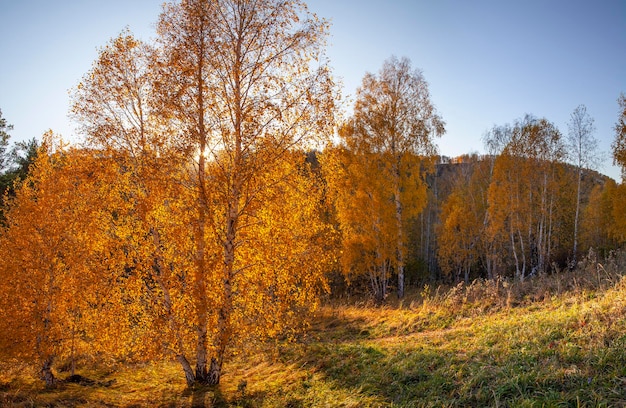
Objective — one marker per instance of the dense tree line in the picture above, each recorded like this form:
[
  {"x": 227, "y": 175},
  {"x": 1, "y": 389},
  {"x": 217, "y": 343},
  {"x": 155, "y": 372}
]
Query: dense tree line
[
  {"x": 534, "y": 205},
  {"x": 527, "y": 208},
  {"x": 194, "y": 219}
]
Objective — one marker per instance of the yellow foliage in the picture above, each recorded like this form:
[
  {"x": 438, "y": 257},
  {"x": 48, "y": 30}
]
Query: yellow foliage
[
  {"x": 54, "y": 243},
  {"x": 217, "y": 231}
]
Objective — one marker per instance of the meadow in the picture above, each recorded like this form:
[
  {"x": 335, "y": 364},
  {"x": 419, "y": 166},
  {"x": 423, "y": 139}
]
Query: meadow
[{"x": 557, "y": 340}]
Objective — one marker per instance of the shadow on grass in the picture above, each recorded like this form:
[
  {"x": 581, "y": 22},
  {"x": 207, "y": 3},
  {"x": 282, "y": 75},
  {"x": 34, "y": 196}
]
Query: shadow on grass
[
  {"x": 396, "y": 376},
  {"x": 203, "y": 396},
  {"x": 72, "y": 391}
]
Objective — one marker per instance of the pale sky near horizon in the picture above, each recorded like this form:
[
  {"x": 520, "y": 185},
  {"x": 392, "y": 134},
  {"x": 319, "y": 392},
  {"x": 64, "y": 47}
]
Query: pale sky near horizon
[{"x": 488, "y": 62}]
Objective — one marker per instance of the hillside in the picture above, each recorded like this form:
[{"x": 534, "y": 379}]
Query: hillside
[
  {"x": 450, "y": 168},
  {"x": 552, "y": 341}
]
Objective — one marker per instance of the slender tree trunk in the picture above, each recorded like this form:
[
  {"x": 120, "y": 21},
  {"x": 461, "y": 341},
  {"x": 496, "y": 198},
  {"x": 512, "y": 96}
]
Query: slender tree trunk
[
  {"x": 232, "y": 220},
  {"x": 169, "y": 313},
  {"x": 431, "y": 240},
  {"x": 513, "y": 247},
  {"x": 46, "y": 372},
  {"x": 73, "y": 350},
  {"x": 431, "y": 271},
  {"x": 373, "y": 282},
  {"x": 200, "y": 255},
  {"x": 190, "y": 378},
  {"x": 386, "y": 265},
  {"x": 379, "y": 279},
  {"x": 225, "y": 310},
  {"x": 486, "y": 243},
  {"x": 400, "y": 238},
  {"x": 575, "y": 250},
  {"x": 549, "y": 238},
  {"x": 43, "y": 339},
  {"x": 378, "y": 285},
  {"x": 523, "y": 253},
  {"x": 527, "y": 257},
  {"x": 200, "y": 295},
  {"x": 466, "y": 274},
  {"x": 215, "y": 372},
  {"x": 536, "y": 250}
]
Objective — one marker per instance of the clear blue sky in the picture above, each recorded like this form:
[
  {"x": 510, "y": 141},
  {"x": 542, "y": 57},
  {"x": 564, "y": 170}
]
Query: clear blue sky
[{"x": 487, "y": 62}]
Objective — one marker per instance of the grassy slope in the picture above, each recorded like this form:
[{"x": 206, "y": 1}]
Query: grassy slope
[{"x": 483, "y": 345}]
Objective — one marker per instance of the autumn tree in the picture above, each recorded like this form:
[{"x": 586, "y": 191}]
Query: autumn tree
[
  {"x": 495, "y": 141},
  {"x": 283, "y": 269},
  {"x": 597, "y": 222},
  {"x": 52, "y": 248},
  {"x": 582, "y": 148},
  {"x": 116, "y": 107},
  {"x": 619, "y": 144},
  {"x": 523, "y": 194},
  {"x": 247, "y": 84},
  {"x": 395, "y": 119},
  {"x": 363, "y": 210},
  {"x": 457, "y": 238},
  {"x": 618, "y": 215},
  {"x": 462, "y": 243},
  {"x": 218, "y": 109},
  {"x": 5, "y": 128},
  {"x": 619, "y": 158}
]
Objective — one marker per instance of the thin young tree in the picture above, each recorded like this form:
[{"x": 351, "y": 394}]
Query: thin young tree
[
  {"x": 114, "y": 106},
  {"x": 619, "y": 158},
  {"x": 619, "y": 144},
  {"x": 582, "y": 147},
  {"x": 462, "y": 242}
]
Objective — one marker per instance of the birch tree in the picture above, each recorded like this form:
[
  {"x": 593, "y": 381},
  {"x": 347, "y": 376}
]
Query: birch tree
[
  {"x": 619, "y": 144},
  {"x": 597, "y": 221},
  {"x": 114, "y": 105},
  {"x": 365, "y": 216},
  {"x": 395, "y": 118},
  {"x": 523, "y": 194},
  {"x": 582, "y": 147},
  {"x": 246, "y": 82},
  {"x": 210, "y": 120},
  {"x": 619, "y": 158}
]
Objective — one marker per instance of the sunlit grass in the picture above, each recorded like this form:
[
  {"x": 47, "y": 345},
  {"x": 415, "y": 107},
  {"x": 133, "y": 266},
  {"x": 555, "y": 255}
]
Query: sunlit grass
[{"x": 551, "y": 342}]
